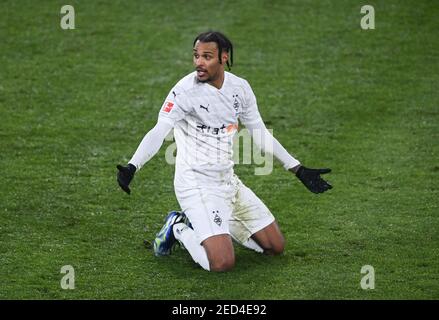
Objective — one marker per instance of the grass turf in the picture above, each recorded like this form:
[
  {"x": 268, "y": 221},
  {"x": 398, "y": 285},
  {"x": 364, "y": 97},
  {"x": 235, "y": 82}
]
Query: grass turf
[{"x": 74, "y": 103}]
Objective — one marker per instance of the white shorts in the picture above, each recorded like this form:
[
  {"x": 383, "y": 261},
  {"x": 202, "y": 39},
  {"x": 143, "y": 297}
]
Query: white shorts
[{"x": 228, "y": 209}]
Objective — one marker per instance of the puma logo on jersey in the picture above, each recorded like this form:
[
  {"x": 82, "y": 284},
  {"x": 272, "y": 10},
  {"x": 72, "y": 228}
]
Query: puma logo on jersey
[{"x": 203, "y": 107}]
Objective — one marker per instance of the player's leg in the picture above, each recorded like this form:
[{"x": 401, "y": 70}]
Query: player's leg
[
  {"x": 270, "y": 239},
  {"x": 252, "y": 223},
  {"x": 209, "y": 241},
  {"x": 213, "y": 254},
  {"x": 220, "y": 252},
  {"x": 187, "y": 236}
]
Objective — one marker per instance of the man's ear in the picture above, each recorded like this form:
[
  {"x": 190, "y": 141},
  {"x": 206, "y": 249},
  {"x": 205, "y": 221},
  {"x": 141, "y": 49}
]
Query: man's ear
[{"x": 224, "y": 57}]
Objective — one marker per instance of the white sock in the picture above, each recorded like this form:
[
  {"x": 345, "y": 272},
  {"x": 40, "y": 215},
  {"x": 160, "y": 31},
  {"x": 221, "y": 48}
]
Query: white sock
[
  {"x": 252, "y": 244},
  {"x": 187, "y": 236}
]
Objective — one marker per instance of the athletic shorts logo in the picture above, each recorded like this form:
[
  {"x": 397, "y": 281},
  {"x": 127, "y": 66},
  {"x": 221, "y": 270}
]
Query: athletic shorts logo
[
  {"x": 168, "y": 107},
  {"x": 217, "y": 220}
]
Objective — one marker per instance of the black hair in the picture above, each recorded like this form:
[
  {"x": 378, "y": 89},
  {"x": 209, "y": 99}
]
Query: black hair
[{"x": 224, "y": 44}]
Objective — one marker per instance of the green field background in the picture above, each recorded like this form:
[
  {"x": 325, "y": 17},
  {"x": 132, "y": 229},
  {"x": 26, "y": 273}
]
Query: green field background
[{"x": 74, "y": 103}]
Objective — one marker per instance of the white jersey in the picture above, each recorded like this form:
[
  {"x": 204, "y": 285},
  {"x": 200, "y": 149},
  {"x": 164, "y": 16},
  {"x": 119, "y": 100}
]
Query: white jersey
[{"x": 205, "y": 120}]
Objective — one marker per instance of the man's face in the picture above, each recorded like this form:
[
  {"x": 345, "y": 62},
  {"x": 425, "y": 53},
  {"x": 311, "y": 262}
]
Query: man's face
[{"x": 206, "y": 61}]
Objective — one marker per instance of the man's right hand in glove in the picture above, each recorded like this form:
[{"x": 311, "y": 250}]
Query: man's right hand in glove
[{"x": 125, "y": 175}]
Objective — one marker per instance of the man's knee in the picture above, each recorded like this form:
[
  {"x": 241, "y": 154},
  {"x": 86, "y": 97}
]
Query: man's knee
[
  {"x": 222, "y": 264},
  {"x": 270, "y": 239},
  {"x": 220, "y": 252},
  {"x": 276, "y": 247}
]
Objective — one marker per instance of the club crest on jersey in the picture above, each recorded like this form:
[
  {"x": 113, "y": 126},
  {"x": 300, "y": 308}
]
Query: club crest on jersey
[
  {"x": 168, "y": 107},
  {"x": 236, "y": 104}
]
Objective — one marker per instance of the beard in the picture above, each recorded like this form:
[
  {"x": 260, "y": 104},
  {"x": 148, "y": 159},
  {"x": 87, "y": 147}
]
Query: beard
[
  {"x": 203, "y": 80},
  {"x": 206, "y": 77}
]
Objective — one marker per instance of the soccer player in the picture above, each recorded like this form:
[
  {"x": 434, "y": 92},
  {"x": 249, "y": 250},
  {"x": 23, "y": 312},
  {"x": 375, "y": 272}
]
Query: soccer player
[{"x": 203, "y": 108}]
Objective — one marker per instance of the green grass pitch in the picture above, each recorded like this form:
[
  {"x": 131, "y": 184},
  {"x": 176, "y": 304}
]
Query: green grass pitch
[{"x": 74, "y": 103}]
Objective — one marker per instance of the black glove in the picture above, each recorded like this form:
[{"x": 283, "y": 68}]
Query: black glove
[
  {"x": 125, "y": 175},
  {"x": 312, "y": 180}
]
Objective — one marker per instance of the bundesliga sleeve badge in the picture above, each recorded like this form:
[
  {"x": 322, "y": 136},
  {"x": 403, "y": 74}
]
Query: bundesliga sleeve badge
[{"x": 167, "y": 107}]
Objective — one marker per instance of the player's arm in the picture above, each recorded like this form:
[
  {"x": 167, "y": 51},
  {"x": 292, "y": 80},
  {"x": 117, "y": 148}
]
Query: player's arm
[
  {"x": 149, "y": 146},
  {"x": 173, "y": 109},
  {"x": 265, "y": 141},
  {"x": 251, "y": 118}
]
